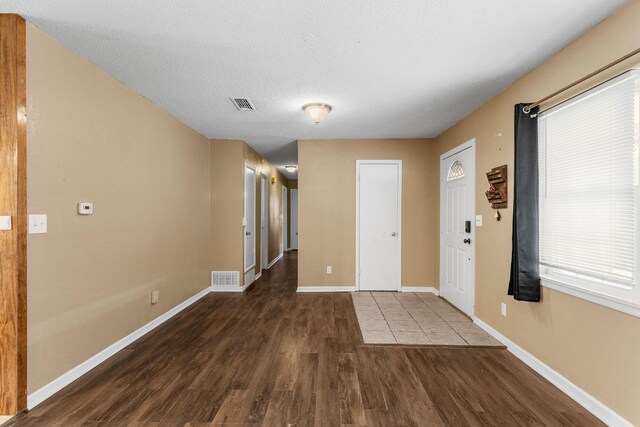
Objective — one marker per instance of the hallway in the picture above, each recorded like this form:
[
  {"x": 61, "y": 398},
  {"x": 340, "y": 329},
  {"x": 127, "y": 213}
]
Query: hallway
[{"x": 275, "y": 357}]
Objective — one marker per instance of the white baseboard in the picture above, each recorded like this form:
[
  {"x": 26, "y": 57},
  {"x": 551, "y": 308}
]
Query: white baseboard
[
  {"x": 249, "y": 278},
  {"x": 246, "y": 285},
  {"x": 234, "y": 288},
  {"x": 228, "y": 288},
  {"x": 275, "y": 260},
  {"x": 353, "y": 289},
  {"x": 419, "y": 289},
  {"x": 590, "y": 403},
  {"x": 259, "y": 275},
  {"x": 326, "y": 289},
  {"x": 67, "y": 378}
]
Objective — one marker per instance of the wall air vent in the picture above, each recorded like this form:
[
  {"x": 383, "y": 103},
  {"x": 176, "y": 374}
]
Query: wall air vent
[
  {"x": 243, "y": 104},
  {"x": 225, "y": 278}
]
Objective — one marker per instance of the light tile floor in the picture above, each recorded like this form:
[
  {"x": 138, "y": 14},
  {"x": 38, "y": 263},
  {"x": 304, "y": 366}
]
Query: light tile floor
[{"x": 415, "y": 319}]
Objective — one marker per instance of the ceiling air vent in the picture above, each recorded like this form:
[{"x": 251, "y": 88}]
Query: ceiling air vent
[{"x": 243, "y": 104}]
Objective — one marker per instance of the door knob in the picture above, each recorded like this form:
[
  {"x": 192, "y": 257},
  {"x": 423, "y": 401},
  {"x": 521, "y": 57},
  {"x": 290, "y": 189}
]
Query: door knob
[
  {"x": 394, "y": 234},
  {"x": 467, "y": 241},
  {"x": 247, "y": 233}
]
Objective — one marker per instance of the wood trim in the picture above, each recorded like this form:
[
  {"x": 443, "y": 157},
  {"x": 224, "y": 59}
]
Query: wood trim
[{"x": 13, "y": 201}]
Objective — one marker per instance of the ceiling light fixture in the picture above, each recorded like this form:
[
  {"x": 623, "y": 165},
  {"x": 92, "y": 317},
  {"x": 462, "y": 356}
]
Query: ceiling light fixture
[
  {"x": 291, "y": 168},
  {"x": 317, "y": 111}
]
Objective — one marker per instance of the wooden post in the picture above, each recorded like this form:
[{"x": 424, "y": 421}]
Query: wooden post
[{"x": 13, "y": 202}]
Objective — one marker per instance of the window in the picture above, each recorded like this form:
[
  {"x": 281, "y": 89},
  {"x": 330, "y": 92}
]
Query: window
[
  {"x": 455, "y": 171},
  {"x": 589, "y": 194}
]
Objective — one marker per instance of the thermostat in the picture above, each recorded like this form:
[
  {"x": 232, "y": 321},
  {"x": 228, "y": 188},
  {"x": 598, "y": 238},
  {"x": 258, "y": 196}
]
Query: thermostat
[{"x": 85, "y": 208}]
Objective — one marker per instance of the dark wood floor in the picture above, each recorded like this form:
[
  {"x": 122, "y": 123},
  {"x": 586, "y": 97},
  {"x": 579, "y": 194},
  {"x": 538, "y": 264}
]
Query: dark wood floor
[{"x": 277, "y": 358}]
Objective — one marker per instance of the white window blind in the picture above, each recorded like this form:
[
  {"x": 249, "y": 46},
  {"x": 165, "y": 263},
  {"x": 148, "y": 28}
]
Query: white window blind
[{"x": 589, "y": 193}]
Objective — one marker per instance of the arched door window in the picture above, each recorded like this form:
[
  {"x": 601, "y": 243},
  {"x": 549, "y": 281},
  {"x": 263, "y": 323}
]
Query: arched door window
[{"x": 456, "y": 171}]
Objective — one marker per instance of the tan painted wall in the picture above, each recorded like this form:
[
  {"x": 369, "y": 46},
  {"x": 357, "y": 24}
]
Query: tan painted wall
[
  {"x": 293, "y": 185},
  {"x": 327, "y": 208},
  {"x": 595, "y": 347},
  {"x": 227, "y": 205},
  {"x": 92, "y": 139}
]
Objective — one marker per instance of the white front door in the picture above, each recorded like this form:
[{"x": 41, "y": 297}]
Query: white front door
[
  {"x": 457, "y": 226},
  {"x": 249, "y": 218},
  {"x": 294, "y": 219},
  {"x": 379, "y": 203},
  {"x": 264, "y": 222}
]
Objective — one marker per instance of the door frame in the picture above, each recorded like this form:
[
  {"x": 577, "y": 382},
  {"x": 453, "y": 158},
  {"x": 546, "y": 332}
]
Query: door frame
[
  {"x": 378, "y": 162},
  {"x": 264, "y": 222},
  {"x": 471, "y": 144},
  {"x": 297, "y": 217},
  {"x": 244, "y": 226},
  {"x": 285, "y": 219}
]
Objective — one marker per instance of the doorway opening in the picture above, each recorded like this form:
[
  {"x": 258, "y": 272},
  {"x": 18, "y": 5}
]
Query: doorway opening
[
  {"x": 285, "y": 221},
  {"x": 264, "y": 222},
  {"x": 294, "y": 219},
  {"x": 249, "y": 223}
]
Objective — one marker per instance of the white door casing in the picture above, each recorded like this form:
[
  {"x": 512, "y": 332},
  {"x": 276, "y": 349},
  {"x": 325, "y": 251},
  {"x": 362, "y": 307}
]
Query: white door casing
[
  {"x": 264, "y": 222},
  {"x": 457, "y": 236},
  {"x": 249, "y": 222},
  {"x": 294, "y": 219},
  {"x": 285, "y": 222},
  {"x": 378, "y": 225}
]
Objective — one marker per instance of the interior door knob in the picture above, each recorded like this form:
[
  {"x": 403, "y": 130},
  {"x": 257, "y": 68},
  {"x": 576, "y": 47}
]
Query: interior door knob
[
  {"x": 467, "y": 241},
  {"x": 394, "y": 234},
  {"x": 247, "y": 233}
]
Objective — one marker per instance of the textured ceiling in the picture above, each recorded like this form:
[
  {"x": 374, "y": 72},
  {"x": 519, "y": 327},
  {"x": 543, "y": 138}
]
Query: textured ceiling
[{"x": 404, "y": 69}]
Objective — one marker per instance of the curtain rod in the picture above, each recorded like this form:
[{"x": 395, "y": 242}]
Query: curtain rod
[{"x": 528, "y": 108}]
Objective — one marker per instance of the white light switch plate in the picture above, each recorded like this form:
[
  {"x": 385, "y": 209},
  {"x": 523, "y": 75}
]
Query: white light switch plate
[
  {"x": 5, "y": 223},
  {"x": 329, "y": 269},
  {"x": 37, "y": 224},
  {"x": 503, "y": 309},
  {"x": 478, "y": 220}
]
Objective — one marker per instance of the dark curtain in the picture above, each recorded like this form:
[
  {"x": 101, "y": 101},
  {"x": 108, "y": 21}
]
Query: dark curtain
[{"x": 524, "y": 284}]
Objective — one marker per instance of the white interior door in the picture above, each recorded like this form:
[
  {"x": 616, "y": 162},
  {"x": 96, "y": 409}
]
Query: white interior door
[
  {"x": 379, "y": 204},
  {"x": 285, "y": 222},
  {"x": 264, "y": 222},
  {"x": 249, "y": 218},
  {"x": 457, "y": 226},
  {"x": 294, "y": 219}
]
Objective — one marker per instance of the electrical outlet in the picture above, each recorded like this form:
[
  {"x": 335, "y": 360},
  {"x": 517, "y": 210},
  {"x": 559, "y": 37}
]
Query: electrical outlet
[
  {"x": 155, "y": 296},
  {"x": 329, "y": 269},
  {"x": 503, "y": 309}
]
